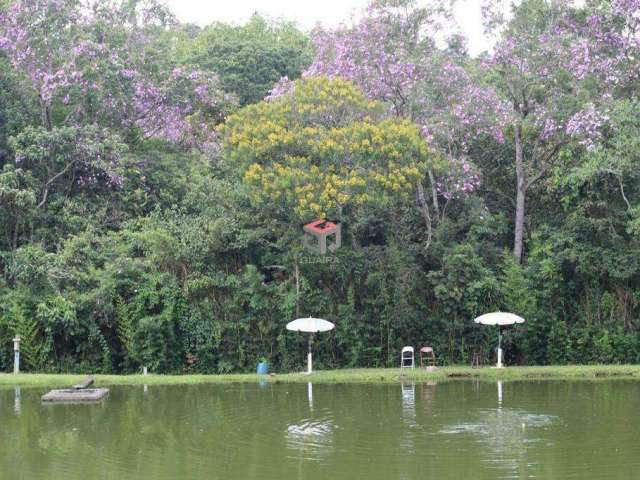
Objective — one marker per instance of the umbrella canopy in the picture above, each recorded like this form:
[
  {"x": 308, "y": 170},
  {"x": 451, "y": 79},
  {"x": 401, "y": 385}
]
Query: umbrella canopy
[
  {"x": 310, "y": 325},
  {"x": 499, "y": 318}
]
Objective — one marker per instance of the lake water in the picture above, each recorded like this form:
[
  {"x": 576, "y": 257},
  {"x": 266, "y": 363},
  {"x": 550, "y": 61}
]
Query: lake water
[{"x": 455, "y": 430}]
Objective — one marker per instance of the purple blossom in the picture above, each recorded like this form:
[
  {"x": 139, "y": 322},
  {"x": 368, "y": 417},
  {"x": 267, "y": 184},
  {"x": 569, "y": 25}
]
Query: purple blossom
[
  {"x": 586, "y": 126},
  {"x": 284, "y": 86},
  {"x": 180, "y": 106},
  {"x": 370, "y": 54},
  {"x": 461, "y": 180}
]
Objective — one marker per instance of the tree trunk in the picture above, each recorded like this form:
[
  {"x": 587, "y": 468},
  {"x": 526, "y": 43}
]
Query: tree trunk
[
  {"x": 45, "y": 114},
  {"x": 424, "y": 209},
  {"x": 434, "y": 193},
  {"x": 520, "y": 196}
]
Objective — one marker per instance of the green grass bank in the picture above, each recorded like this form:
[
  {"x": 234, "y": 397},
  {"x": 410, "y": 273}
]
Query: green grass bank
[{"x": 369, "y": 375}]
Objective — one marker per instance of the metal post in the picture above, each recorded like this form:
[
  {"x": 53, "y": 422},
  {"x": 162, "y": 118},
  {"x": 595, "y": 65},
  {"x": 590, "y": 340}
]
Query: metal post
[
  {"x": 499, "y": 347},
  {"x": 16, "y": 355},
  {"x": 309, "y": 361}
]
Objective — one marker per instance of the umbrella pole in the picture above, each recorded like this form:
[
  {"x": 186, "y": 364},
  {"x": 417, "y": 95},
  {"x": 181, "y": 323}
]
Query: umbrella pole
[
  {"x": 499, "y": 347},
  {"x": 309, "y": 362}
]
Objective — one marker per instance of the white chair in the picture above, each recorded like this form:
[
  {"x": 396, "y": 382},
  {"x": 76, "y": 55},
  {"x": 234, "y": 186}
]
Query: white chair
[{"x": 406, "y": 358}]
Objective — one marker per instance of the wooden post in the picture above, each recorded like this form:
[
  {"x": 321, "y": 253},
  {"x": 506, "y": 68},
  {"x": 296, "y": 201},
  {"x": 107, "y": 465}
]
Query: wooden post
[{"x": 16, "y": 355}]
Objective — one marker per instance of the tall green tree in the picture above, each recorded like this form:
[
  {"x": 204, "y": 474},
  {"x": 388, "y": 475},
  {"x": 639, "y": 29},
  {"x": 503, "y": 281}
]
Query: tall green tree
[{"x": 251, "y": 58}]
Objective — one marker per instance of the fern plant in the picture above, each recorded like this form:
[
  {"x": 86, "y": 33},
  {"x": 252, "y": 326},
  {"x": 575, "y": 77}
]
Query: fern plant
[{"x": 96, "y": 335}]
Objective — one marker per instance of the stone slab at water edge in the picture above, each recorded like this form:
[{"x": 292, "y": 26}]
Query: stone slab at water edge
[{"x": 76, "y": 395}]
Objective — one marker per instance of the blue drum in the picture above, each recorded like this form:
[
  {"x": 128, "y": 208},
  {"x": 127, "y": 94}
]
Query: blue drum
[{"x": 263, "y": 368}]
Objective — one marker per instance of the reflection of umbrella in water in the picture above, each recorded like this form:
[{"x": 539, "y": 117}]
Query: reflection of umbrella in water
[
  {"x": 312, "y": 436},
  {"x": 508, "y": 432},
  {"x": 310, "y": 325},
  {"x": 17, "y": 402},
  {"x": 500, "y": 319}
]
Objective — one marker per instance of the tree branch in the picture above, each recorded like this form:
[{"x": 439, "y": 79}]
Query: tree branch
[
  {"x": 546, "y": 163},
  {"x": 619, "y": 178},
  {"x": 45, "y": 192},
  {"x": 500, "y": 194},
  {"x": 624, "y": 197}
]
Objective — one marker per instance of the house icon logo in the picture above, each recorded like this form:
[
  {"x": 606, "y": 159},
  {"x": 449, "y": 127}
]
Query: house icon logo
[{"x": 322, "y": 235}]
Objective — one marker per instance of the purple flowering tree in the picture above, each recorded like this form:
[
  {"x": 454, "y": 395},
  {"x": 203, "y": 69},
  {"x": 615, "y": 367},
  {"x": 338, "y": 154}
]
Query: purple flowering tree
[
  {"x": 609, "y": 51},
  {"x": 95, "y": 65},
  {"x": 610, "y": 43},
  {"x": 92, "y": 65},
  {"x": 557, "y": 90},
  {"x": 376, "y": 54},
  {"x": 39, "y": 38}
]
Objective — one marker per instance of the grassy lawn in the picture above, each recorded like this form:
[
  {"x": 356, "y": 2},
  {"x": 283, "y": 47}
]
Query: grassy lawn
[{"x": 369, "y": 375}]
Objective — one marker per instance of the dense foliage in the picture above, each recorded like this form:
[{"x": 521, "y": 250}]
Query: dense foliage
[
  {"x": 152, "y": 204},
  {"x": 250, "y": 58}
]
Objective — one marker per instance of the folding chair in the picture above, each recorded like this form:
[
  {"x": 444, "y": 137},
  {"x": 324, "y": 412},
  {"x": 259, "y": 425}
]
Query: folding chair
[
  {"x": 406, "y": 358},
  {"x": 427, "y": 357}
]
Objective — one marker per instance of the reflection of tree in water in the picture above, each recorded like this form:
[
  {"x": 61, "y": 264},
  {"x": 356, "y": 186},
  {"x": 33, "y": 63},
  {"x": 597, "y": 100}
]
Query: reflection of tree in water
[
  {"x": 506, "y": 432},
  {"x": 41, "y": 438},
  {"x": 159, "y": 435}
]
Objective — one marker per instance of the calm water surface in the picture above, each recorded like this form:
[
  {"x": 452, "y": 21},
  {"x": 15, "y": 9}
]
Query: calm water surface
[{"x": 456, "y": 430}]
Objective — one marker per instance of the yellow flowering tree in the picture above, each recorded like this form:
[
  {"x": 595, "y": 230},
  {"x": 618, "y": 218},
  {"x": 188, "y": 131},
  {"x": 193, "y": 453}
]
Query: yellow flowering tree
[{"x": 321, "y": 147}]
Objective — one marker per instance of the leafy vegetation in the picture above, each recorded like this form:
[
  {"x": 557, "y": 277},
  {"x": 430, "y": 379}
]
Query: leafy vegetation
[
  {"x": 250, "y": 58},
  {"x": 152, "y": 204}
]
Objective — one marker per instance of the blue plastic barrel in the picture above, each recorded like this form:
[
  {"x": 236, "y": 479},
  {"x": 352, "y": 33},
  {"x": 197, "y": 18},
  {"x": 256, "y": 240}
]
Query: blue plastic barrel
[{"x": 263, "y": 368}]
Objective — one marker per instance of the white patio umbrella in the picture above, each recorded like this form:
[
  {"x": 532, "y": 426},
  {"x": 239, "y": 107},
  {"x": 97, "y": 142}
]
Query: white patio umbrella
[
  {"x": 310, "y": 325},
  {"x": 500, "y": 319}
]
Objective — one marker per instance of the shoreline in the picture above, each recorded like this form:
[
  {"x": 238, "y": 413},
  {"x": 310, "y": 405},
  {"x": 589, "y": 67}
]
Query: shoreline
[{"x": 365, "y": 375}]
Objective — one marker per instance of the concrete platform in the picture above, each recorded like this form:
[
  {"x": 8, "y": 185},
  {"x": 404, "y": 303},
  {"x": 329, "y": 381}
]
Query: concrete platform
[{"x": 70, "y": 395}]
